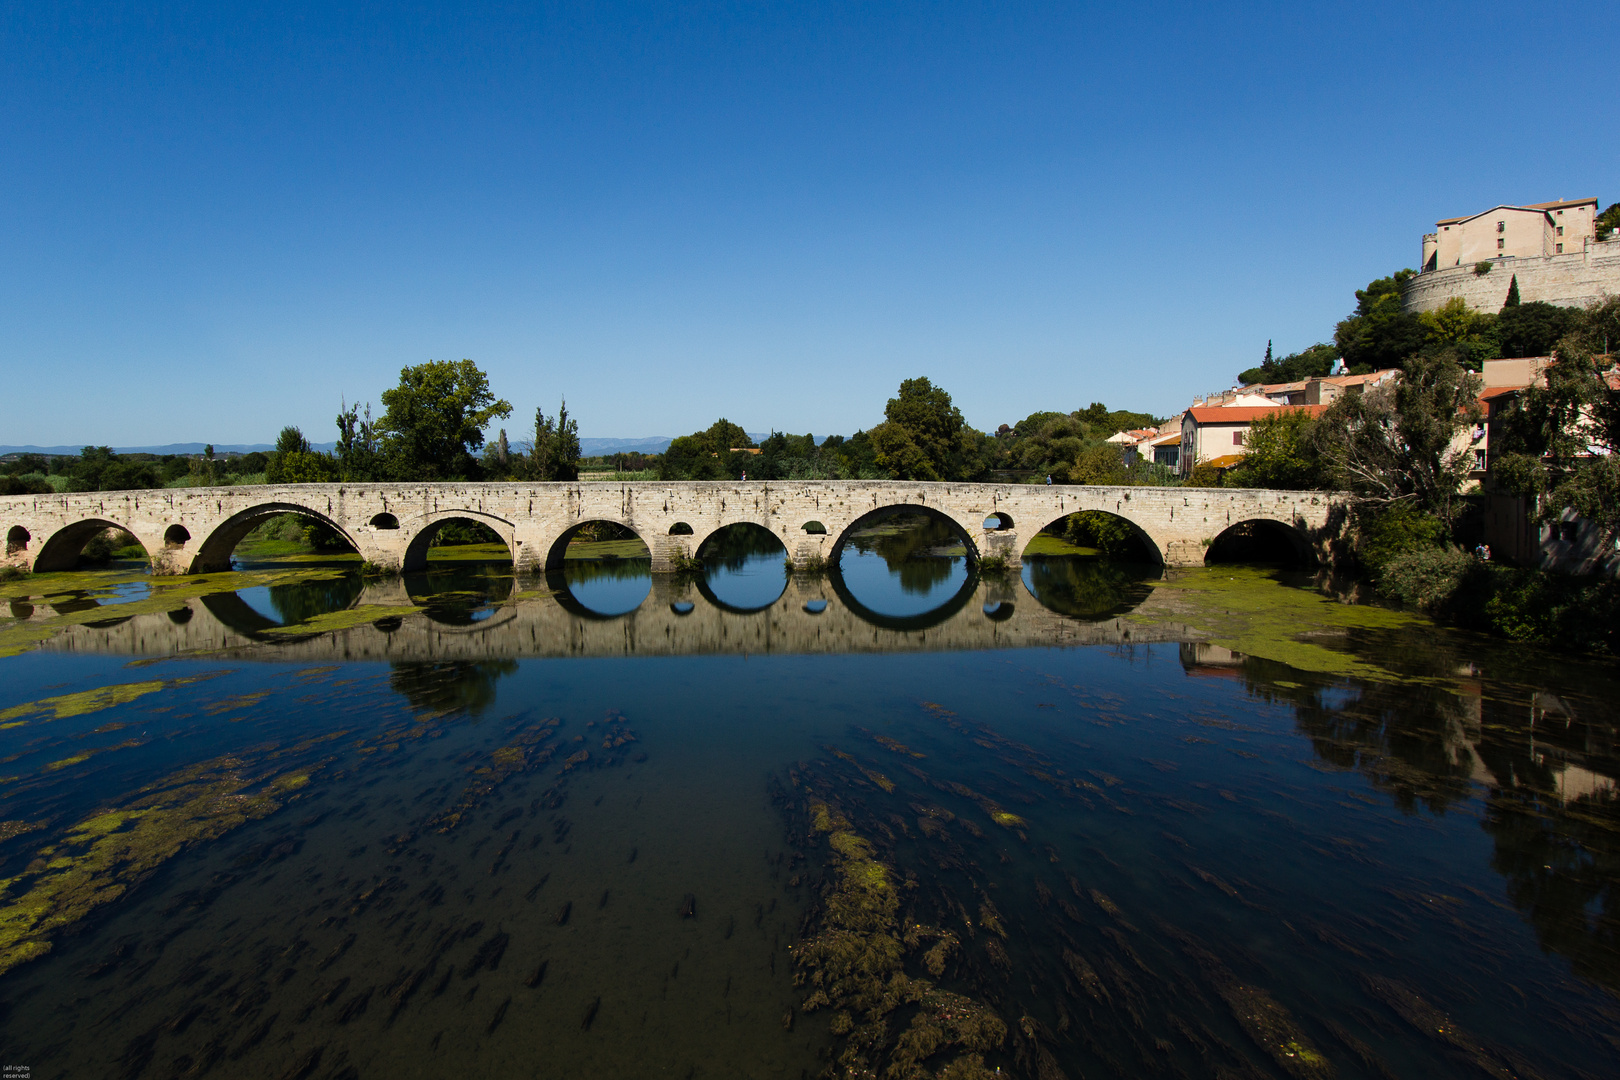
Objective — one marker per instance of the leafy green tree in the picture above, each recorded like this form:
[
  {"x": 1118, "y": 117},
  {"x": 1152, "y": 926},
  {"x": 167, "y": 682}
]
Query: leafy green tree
[
  {"x": 923, "y": 437},
  {"x": 99, "y": 469},
  {"x": 1533, "y": 329},
  {"x": 1560, "y": 443},
  {"x": 1608, "y": 221},
  {"x": 435, "y": 419},
  {"x": 1098, "y": 463},
  {"x": 359, "y": 449},
  {"x": 1390, "y": 445},
  {"x": 1282, "y": 453},
  {"x": 293, "y": 462},
  {"x": 1380, "y": 335},
  {"x": 554, "y": 449},
  {"x": 1311, "y": 363},
  {"x": 1455, "y": 325}
]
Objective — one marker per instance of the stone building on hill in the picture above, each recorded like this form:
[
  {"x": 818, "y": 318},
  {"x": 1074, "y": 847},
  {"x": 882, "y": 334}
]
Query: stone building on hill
[{"x": 1552, "y": 248}]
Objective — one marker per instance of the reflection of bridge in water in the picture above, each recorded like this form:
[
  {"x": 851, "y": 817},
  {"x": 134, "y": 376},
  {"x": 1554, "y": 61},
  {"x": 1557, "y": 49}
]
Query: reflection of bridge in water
[{"x": 675, "y": 620}]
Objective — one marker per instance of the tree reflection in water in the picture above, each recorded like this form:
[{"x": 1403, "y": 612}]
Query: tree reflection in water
[
  {"x": 450, "y": 685},
  {"x": 920, "y": 548},
  {"x": 1087, "y": 588},
  {"x": 734, "y": 546},
  {"x": 460, "y": 595},
  {"x": 299, "y": 601},
  {"x": 1549, "y": 767}
]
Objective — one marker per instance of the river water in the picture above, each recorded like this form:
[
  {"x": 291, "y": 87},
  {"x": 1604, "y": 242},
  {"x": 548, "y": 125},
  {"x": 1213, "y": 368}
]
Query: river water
[{"x": 896, "y": 820}]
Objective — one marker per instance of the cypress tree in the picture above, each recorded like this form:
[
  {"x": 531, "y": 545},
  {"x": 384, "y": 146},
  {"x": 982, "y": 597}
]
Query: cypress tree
[{"x": 1513, "y": 293}]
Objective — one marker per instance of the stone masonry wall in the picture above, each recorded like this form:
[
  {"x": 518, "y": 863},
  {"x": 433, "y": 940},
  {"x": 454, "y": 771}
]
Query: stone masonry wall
[{"x": 1571, "y": 280}]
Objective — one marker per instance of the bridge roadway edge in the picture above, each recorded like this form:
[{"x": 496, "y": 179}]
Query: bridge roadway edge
[{"x": 192, "y": 530}]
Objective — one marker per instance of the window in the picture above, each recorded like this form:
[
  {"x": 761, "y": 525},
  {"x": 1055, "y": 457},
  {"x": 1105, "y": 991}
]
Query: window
[
  {"x": 1560, "y": 249},
  {"x": 1237, "y": 438},
  {"x": 1479, "y": 461},
  {"x": 1560, "y": 230},
  {"x": 1500, "y": 243},
  {"x": 1567, "y": 531},
  {"x": 1501, "y": 226}
]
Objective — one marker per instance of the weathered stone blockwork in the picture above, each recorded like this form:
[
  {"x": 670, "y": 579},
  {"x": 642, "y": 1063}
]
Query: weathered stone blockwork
[
  {"x": 194, "y": 530},
  {"x": 1572, "y": 280}
]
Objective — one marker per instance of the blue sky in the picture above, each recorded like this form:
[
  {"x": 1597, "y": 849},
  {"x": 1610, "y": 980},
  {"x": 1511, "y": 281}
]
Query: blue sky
[{"x": 218, "y": 220}]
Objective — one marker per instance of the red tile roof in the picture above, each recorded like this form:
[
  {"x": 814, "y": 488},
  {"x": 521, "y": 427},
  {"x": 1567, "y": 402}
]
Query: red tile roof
[{"x": 1246, "y": 414}]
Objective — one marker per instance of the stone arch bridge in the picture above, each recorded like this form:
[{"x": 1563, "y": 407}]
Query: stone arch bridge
[{"x": 194, "y": 530}]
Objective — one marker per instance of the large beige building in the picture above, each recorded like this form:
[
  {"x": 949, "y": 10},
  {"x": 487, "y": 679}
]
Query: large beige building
[
  {"x": 1521, "y": 232},
  {"x": 1551, "y": 248}
]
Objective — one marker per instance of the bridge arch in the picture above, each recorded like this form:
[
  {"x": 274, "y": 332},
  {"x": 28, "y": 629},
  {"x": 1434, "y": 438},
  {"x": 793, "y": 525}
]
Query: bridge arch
[
  {"x": 1118, "y": 536},
  {"x": 427, "y": 527},
  {"x": 60, "y": 550},
  {"x": 963, "y": 529},
  {"x": 214, "y": 553},
  {"x": 557, "y": 554},
  {"x": 1261, "y": 540}
]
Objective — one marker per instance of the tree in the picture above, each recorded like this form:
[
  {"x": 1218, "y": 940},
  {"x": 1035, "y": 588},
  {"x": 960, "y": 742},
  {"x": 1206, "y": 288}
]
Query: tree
[
  {"x": 435, "y": 418},
  {"x": 554, "y": 449},
  {"x": 1281, "y": 453},
  {"x": 1560, "y": 443},
  {"x": 923, "y": 436},
  {"x": 293, "y": 462},
  {"x": 99, "y": 469},
  {"x": 1380, "y": 334},
  {"x": 1533, "y": 329},
  {"x": 1311, "y": 363},
  {"x": 1390, "y": 445},
  {"x": 1608, "y": 221},
  {"x": 1099, "y": 463},
  {"x": 359, "y": 449},
  {"x": 1455, "y": 325},
  {"x": 1513, "y": 294}
]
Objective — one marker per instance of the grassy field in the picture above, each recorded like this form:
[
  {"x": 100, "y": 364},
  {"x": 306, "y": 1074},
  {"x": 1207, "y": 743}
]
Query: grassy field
[
  {"x": 644, "y": 474},
  {"x": 607, "y": 549},
  {"x": 1048, "y": 544}
]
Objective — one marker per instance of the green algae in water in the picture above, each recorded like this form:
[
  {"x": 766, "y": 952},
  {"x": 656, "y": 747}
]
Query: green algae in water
[
  {"x": 1249, "y": 611},
  {"x": 85, "y": 702},
  {"x": 331, "y": 621},
  {"x": 104, "y": 856},
  {"x": 166, "y": 594}
]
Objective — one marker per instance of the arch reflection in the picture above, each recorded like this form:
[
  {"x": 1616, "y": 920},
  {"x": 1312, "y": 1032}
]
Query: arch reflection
[
  {"x": 1087, "y": 588},
  {"x": 744, "y": 568},
  {"x": 904, "y": 566},
  {"x": 601, "y": 589}
]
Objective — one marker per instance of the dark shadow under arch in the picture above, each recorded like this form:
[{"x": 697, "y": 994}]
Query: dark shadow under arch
[
  {"x": 61, "y": 549},
  {"x": 1261, "y": 540},
  {"x": 17, "y": 539},
  {"x": 214, "y": 554}
]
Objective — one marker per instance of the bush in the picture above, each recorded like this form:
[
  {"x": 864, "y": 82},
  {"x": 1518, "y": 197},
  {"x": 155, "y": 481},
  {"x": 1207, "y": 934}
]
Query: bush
[
  {"x": 1204, "y": 475},
  {"x": 1398, "y": 529},
  {"x": 1426, "y": 578},
  {"x": 25, "y": 485},
  {"x": 1482, "y": 267}
]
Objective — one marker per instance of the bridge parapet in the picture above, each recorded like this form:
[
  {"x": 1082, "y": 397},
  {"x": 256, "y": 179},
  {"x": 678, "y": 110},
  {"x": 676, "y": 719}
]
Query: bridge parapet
[{"x": 193, "y": 530}]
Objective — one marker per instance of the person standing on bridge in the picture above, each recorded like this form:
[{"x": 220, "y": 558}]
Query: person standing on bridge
[{"x": 1048, "y": 479}]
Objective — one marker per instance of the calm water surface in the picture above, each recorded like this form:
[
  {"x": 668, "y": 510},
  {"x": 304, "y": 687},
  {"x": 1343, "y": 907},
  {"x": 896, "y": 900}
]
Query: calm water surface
[{"x": 302, "y": 825}]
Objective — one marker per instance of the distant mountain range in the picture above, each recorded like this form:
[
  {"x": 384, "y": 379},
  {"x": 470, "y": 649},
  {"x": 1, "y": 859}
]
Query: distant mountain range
[{"x": 651, "y": 444}]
